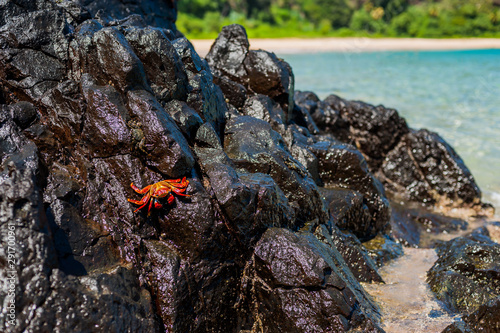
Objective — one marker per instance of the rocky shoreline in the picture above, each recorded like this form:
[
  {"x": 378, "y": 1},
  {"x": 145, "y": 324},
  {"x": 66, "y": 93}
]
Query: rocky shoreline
[{"x": 293, "y": 201}]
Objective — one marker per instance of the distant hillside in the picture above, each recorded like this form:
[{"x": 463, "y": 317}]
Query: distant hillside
[{"x": 309, "y": 18}]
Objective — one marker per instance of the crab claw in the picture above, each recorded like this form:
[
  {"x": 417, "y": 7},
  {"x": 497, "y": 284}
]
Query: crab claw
[
  {"x": 157, "y": 205},
  {"x": 170, "y": 199}
]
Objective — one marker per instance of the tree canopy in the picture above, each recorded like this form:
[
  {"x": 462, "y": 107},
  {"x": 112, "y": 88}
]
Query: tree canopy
[{"x": 307, "y": 18}]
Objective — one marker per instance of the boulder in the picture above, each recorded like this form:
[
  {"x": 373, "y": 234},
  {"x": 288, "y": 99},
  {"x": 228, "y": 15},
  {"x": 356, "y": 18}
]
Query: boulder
[
  {"x": 485, "y": 319},
  {"x": 259, "y": 71},
  {"x": 161, "y": 62},
  {"x": 165, "y": 147},
  {"x": 235, "y": 93},
  {"x": 105, "y": 127},
  {"x": 424, "y": 168},
  {"x": 357, "y": 258},
  {"x": 228, "y": 53},
  {"x": 298, "y": 285},
  {"x": 185, "y": 117},
  {"x": 24, "y": 114},
  {"x": 254, "y": 147},
  {"x": 263, "y": 107},
  {"x": 325, "y": 116},
  {"x": 203, "y": 95},
  {"x": 466, "y": 275},
  {"x": 251, "y": 202},
  {"x": 342, "y": 166}
]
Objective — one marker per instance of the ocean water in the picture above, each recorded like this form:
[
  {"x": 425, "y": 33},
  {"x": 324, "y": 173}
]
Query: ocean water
[{"x": 454, "y": 93}]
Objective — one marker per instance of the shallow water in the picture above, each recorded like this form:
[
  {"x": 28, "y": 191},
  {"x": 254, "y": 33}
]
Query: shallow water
[
  {"x": 406, "y": 300},
  {"x": 455, "y": 93}
]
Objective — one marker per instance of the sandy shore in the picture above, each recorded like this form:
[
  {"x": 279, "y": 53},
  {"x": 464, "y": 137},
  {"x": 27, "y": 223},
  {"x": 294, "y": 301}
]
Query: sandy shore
[{"x": 302, "y": 45}]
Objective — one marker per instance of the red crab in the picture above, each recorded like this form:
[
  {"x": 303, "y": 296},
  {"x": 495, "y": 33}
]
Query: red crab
[{"x": 160, "y": 190}]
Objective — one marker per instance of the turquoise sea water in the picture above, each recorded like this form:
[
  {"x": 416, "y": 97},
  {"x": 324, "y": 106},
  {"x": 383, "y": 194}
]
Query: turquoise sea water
[{"x": 455, "y": 93}]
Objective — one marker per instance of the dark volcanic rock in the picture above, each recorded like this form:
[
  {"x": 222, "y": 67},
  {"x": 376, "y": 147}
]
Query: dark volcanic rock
[
  {"x": 255, "y": 147},
  {"x": 336, "y": 165},
  {"x": 165, "y": 275},
  {"x": 383, "y": 249},
  {"x": 163, "y": 66},
  {"x": 259, "y": 71},
  {"x": 415, "y": 165},
  {"x": 375, "y": 130},
  {"x": 292, "y": 278},
  {"x": 105, "y": 126},
  {"x": 34, "y": 48},
  {"x": 38, "y": 282},
  {"x": 326, "y": 117},
  {"x": 467, "y": 274},
  {"x": 94, "y": 100},
  {"x": 185, "y": 117},
  {"x": 116, "y": 59},
  {"x": 420, "y": 227},
  {"x": 251, "y": 201},
  {"x": 424, "y": 168},
  {"x": 355, "y": 255},
  {"x": 204, "y": 96},
  {"x": 485, "y": 319},
  {"x": 302, "y": 117},
  {"x": 269, "y": 75},
  {"x": 43, "y": 27},
  {"x": 343, "y": 166},
  {"x": 347, "y": 210},
  {"x": 156, "y": 13},
  {"x": 10, "y": 137},
  {"x": 235, "y": 93},
  {"x": 263, "y": 107},
  {"x": 24, "y": 114},
  {"x": 166, "y": 148},
  {"x": 63, "y": 112},
  {"x": 228, "y": 53}
]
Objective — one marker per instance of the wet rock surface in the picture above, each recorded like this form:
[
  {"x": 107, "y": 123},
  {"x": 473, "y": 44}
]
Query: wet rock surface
[
  {"x": 255, "y": 147},
  {"x": 485, "y": 319},
  {"x": 466, "y": 274},
  {"x": 259, "y": 71},
  {"x": 301, "y": 277},
  {"x": 420, "y": 227},
  {"x": 283, "y": 215},
  {"x": 415, "y": 165},
  {"x": 156, "y": 13},
  {"x": 424, "y": 168}
]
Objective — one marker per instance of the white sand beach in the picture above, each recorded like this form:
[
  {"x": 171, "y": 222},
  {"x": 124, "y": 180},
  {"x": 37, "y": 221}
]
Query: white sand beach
[{"x": 362, "y": 44}]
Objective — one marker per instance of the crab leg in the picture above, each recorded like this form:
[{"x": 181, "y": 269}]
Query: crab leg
[
  {"x": 150, "y": 205},
  {"x": 182, "y": 194},
  {"x": 172, "y": 180},
  {"x": 143, "y": 202},
  {"x": 140, "y": 202},
  {"x": 138, "y": 190},
  {"x": 137, "y": 202}
]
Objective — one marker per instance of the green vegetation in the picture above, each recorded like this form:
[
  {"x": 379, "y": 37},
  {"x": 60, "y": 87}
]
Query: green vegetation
[{"x": 316, "y": 18}]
